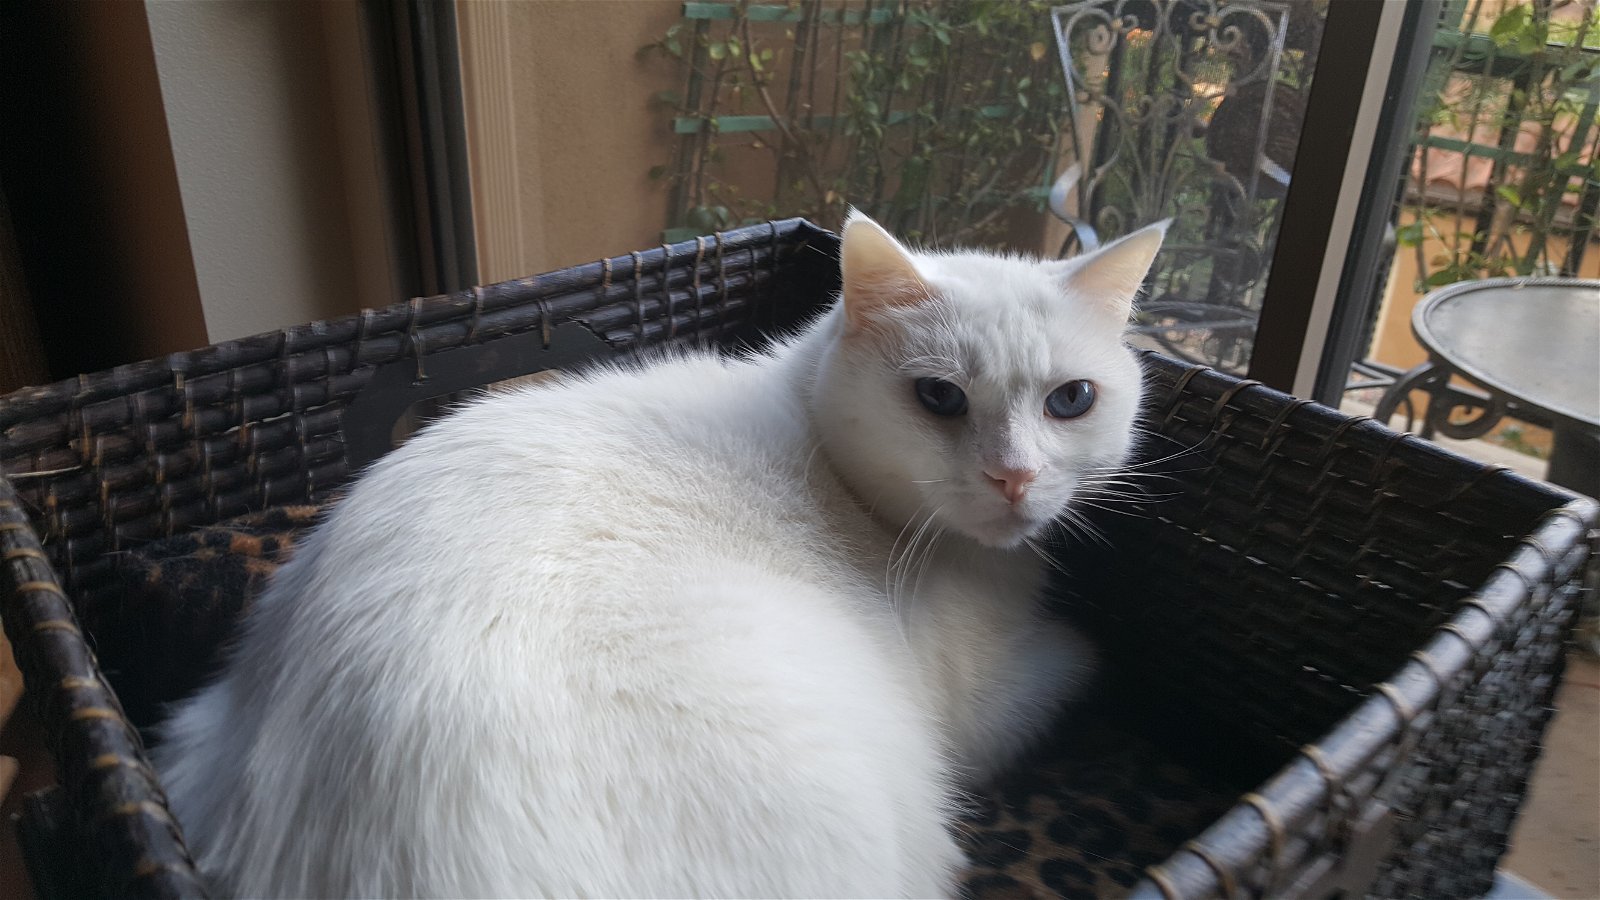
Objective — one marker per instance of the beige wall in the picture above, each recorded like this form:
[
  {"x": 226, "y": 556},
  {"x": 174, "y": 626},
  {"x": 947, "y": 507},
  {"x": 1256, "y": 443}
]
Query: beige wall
[
  {"x": 133, "y": 163},
  {"x": 380, "y": 225},
  {"x": 1392, "y": 342},
  {"x": 250, "y": 111},
  {"x": 560, "y": 131}
]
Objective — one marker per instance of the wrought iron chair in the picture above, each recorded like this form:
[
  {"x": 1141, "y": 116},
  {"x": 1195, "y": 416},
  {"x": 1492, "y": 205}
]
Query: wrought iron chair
[{"x": 1189, "y": 109}]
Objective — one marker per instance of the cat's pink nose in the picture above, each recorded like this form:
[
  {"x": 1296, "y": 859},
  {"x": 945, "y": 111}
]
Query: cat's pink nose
[{"x": 1011, "y": 483}]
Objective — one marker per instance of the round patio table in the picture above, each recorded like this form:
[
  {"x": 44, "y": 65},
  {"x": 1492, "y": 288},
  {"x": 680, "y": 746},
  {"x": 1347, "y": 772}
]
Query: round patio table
[{"x": 1533, "y": 344}]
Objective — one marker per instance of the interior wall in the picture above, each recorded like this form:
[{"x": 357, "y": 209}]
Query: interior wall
[
  {"x": 184, "y": 173},
  {"x": 135, "y": 158},
  {"x": 22, "y": 360},
  {"x": 102, "y": 244},
  {"x": 382, "y": 254},
  {"x": 560, "y": 131},
  {"x": 251, "y": 115}
]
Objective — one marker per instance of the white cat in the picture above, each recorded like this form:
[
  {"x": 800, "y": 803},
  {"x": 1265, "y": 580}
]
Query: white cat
[{"x": 710, "y": 627}]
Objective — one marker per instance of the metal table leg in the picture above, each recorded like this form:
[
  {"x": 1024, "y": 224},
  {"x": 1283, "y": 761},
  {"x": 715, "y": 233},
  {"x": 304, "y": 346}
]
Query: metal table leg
[{"x": 1575, "y": 460}]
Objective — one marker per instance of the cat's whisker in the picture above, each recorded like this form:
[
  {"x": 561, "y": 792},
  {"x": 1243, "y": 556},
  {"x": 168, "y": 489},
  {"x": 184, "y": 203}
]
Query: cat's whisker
[
  {"x": 1123, "y": 488},
  {"x": 1114, "y": 488},
  {"x": 1049, "y": 559},
  {"x": 1120, "y": 500},
  {"x": 1135, "y": 497},
  {"x": 1169, "y": 475},
  {"x": 912, "y": 553},
  {"x": 894, "y": 550},
  {"x": 1192, "y": 448},
  {"x": 1160, "y": 473},
  {"x": 931, "y": 481},
  {"x": 1065, "y": 530},
  {"x": 1118, "y": 487},
  {"x": 1120, "y": 512},
  {"x": 1114, "y": 493},
  {"x": 1118, "y": 472},
  {"x": 1146, "y": 432},
  {"x": 1098, "y": 535},
  {"x": 1129, "y": 493},
  {"x": 1165, "y": 459},
  {"x": 811, "y": 458},
  {"x": 1092, "y": 495},
  {"x": 927, "y": 554},
  {"x": 1085, "y": 527},
  {"x": 899, "y": 599},
  {"x": 898, "y": 557},
  {"x": 1082, "y": 530}
]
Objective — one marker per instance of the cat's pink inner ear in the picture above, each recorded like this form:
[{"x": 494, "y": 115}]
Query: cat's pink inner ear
[
  {"x": 1110, "y": 277},
  {"x": 876, "y": 271}
]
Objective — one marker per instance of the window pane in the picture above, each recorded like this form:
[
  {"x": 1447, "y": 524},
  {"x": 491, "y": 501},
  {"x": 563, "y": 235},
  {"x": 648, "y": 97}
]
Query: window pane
[{"x": 1032, "y": 126}]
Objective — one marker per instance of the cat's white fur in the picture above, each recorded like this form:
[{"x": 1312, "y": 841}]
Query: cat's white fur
[{"x": 682, "y": 630}]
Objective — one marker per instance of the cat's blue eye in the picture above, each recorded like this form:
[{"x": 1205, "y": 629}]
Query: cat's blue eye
[
  {"x": 1071, "y": 400},
  {"x": 941, "y": 397}
]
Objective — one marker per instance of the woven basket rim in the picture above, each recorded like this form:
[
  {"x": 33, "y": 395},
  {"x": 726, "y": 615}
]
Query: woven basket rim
[{"x": 1220, "y": 859}]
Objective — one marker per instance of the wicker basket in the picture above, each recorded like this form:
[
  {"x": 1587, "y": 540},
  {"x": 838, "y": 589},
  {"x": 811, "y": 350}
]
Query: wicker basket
[{"x": 1367, "y": 627}]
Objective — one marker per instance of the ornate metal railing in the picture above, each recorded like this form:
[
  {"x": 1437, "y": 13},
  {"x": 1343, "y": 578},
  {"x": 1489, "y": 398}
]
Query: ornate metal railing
[{"x": 1189, "y": 110}]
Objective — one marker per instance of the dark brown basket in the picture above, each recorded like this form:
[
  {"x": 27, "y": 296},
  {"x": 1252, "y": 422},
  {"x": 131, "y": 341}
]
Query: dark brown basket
[{"x": 1377, "y": 622}]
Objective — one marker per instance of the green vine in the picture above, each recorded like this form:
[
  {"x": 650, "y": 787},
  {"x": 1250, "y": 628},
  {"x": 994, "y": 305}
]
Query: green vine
[
  {"x": 1530, "y": 72},
  {"x": 937, "y": 117}
]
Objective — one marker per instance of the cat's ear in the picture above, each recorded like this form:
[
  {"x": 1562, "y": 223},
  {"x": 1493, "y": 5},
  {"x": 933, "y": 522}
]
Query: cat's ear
[
  {"x": 876, "y": 271},
  {"x": 1111, "y": 275}
]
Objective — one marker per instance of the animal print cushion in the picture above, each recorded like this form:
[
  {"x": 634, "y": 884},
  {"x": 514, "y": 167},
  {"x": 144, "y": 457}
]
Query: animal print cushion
[
  {"x": 160, "y": 629},
  {"x": 1082, "y": 817}
]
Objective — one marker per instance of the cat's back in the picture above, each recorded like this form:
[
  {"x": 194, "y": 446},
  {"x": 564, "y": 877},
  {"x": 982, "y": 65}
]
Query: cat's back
[
  {"x": 565, "y": 643},
  {"x": 688, "y": 444},
  {"x": 610, "y": 510}
]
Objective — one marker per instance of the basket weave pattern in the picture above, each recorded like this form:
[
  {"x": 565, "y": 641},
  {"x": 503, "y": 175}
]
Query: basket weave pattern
[
  {"x": 1317, "y": 570},
  {"x": 1372, "y": 623}
]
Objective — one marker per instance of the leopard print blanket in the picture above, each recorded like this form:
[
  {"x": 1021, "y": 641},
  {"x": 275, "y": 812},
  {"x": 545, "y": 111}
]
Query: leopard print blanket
[{"x": 1081, "y": 817}]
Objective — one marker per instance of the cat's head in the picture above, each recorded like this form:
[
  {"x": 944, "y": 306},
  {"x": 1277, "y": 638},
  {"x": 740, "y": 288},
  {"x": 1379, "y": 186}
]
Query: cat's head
[{"x": 975, "y": 388}]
